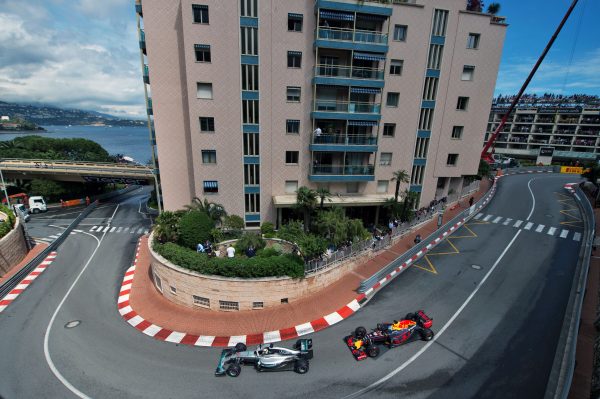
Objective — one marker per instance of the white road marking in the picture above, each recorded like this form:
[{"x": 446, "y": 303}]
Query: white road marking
[
  {"x": 478, "y": 216},
  {"x": 539, "y": 228},
  {"x": 440, "y": 332},
  {"x": 140, "y": 230},
  {"x": 551, "y": 231},
  {"x": 518, "y": 223},
  {"x": 577, "y": 237},
  {"x": 528, "y": 226},
  {"x": 94, "y": 228},
  {"x": 507, "y": 221},
  {"x": 112, "y": 229},
  {"x": 487, "y": 218},
  {"x": 532, "y": 197},
  {"x": 499, "y": 218},
  {"x": 564, "y": 233},
  {"x": 132, "y": 230},
  {"x": 106, "y": 229},
  {"x": 119, "y": 229}
]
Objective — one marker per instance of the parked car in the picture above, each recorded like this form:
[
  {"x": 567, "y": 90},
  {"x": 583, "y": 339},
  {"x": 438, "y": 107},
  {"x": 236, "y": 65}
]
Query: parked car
[{"x": 21, "y": 211}]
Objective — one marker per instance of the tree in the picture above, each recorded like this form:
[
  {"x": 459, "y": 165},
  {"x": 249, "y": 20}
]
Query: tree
[
  {"x": 323, "y": 194},
  {"x": 47, "y": 188},
  {"x": 484, "y": 170},
  {"x": 215, "y": 211},
  {"x": 233, "y": 225},
  {"x": 332, "y": 225},
  {"x": 291, "y": 231},
  {"x": 167, "y": 227},
  {"x": 306, "y": 201},
  {"x": 493, "y": 8},
  {"x": 407, "y": 205},
  {"x": 194, "y": 228},
  {"x": 400, "y": 176},
  {"x": 393, "y": 207}
]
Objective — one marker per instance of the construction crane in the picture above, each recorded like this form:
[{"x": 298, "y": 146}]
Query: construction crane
[{"x": 486, "y": 154}]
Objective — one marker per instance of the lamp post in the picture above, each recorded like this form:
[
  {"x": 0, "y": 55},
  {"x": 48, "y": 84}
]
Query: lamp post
[
  {"x": 4, "y": 188},
  {"x": 155, "y": 184}
]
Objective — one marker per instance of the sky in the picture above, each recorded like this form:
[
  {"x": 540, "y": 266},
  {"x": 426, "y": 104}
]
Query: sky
[{"x": 84, "y": 53}]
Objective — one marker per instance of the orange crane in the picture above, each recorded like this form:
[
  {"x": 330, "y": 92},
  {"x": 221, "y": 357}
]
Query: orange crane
[{"x": 486, "y": 154}]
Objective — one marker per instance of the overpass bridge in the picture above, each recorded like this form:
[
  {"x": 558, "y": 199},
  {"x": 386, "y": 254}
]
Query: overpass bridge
[{"x": 95, "y": 172}]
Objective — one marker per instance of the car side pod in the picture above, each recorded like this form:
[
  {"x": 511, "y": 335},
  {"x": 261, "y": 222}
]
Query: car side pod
[{"x": 220, "y": 371}]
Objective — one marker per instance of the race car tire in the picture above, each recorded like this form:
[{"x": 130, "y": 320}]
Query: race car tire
[
  {"x": 409, "y": 316},
  {"x": 240, "y": 347},
  {"x": 373, "y": 351},
  {"x": 233, "y": 370},
  {"x": 301, "y": 366},
  {"x": 360, "y": 332},
  {"x": 427, "y": 334}
]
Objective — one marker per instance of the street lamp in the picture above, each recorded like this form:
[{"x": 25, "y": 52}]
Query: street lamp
[
  {"x": 4, "y": 188},
  {"x": 155, "y": 182}
]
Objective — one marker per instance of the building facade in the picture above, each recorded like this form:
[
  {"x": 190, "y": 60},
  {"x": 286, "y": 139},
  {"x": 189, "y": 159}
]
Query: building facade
[
  {"x": 571, "y": 128},
  {"x": 252, "y": 99}
]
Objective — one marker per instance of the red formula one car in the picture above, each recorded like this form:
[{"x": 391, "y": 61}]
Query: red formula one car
[{"x": 413, "y": 327}]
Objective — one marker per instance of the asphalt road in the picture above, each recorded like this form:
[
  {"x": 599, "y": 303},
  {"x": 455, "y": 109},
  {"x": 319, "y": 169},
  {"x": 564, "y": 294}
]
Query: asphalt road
[{"x": 494, "y": 338}]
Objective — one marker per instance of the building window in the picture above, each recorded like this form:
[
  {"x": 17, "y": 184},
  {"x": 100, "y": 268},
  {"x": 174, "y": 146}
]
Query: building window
[
  {"x": 207, "y": 124},
  {"x": 392, "y": 99},
  {"x": 204, "y": 90},
  {"x": 418, "y": 172},
  {"x": 200, "y": 13},
  {"x": 292, "y": 126},
  {"x": 249, "y": 8},
  {"x": 291, "y": 157},
  {"x": 457, "y": 132},
  {"x": 158, "y": 282},
  {"x": 389, "y": 129},
  {"x": 295, "y": 22},
  {"x": 452, "y": 159},
  {"x": 440, "y": 22},
  {"x": 210, "y": 186},
  {"x": 251, "y": 144},
  {"x": 396, "y": 67},
  {"x": 421, "y": 147},
  {"x": 382, "y": 186},
  {"x": 434, "y": 59},
  {"x": 291, "y": 186},
  {"x": 462, "y": 103},
  {"x": 258, "y": 305},
  {"x": 294, "y": 59},
  {"x": 250, "y": 111},
  {"x": 249, "y": 77},
  {"x": 201, "y": 301},
  {"x": 473, "y": 40},
  {"x": 249, "y": 39},
  {"x": 385, "y": 159},
  {"x": 425, "y": 118},
  {"x": 400, "y": 33},
  {"x": 252, "y": 203},
  {"x": 209, "y": 156},
  {"x": 252, "y": 174},
  {"x": 202, "y": 52},
  {"x": 468, "y": 72},
  {"x": 228, "y": 305},
  {"x": 430, "y": 89},
  {"x": 293, "y": 94},
  {"x": 173, "y": 289}
]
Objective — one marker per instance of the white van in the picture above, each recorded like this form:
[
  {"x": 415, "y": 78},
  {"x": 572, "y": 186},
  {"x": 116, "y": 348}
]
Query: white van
[
  {"x": 37, "y": 204},
  {"x": 21, "y": 212}
]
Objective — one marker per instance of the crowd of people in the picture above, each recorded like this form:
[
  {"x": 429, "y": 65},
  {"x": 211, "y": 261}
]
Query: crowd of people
[{"x": 551, "y": 100}]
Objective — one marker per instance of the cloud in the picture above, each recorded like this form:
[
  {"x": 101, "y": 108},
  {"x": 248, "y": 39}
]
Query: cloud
[{"x": 582, "y": 76}]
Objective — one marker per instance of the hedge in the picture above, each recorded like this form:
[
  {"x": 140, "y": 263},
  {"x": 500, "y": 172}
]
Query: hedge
[
  {"x": 7, "y": 225},
  {"x": 255, "y": 267},
  {"x": 194, "y": 228}
]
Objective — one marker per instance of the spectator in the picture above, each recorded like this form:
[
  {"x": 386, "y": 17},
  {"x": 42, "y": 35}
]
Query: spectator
[
  {"x": 230, "y": 251},
  {"x": 471, "y": 201},
  {"x": 417, "y": 239},
  {"x": 250, "y": 252},
  {"x": 318, "y": 132},
  {"x": 200, "y": 248}
]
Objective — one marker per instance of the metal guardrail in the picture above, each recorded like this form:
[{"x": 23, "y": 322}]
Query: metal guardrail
[
  {"x": 563, "y": 366},
  {"x": 59, "y": 166},
  {"x": 13, "y": 281}
]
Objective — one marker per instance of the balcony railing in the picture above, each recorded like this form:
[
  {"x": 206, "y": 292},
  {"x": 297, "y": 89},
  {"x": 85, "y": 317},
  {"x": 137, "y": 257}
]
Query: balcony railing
[
  {"x": 335, "y": 71},
  {"x": 149, "y": 107},
  {"x": 347, "y": 106},
  {"x": 344, "y": 170},
  {"x": 143, "y": 41},
  {"x": 352, "y": 35},
  {"x": 342, "y": 139},
  {"x": 146, "y": 75}
]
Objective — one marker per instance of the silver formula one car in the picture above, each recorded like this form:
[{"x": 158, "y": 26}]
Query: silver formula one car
[{"x": 266, "y": 358}]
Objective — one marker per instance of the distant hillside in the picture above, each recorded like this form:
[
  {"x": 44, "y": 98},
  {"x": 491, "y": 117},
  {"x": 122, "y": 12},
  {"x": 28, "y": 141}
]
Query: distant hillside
[{"x": 46, "y": 115}]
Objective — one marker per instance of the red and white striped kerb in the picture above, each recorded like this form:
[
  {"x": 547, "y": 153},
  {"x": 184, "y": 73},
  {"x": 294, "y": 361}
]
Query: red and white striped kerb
[
  {"x": 570, "y": 187},
  {"x": 22, "y": 286}
]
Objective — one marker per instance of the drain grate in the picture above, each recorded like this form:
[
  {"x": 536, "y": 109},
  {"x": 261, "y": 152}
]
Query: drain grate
[{"x": 73, "y": 324}]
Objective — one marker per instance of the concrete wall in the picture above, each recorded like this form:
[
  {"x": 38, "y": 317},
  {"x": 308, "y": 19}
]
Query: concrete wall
[{"x": 13, "y": 248}]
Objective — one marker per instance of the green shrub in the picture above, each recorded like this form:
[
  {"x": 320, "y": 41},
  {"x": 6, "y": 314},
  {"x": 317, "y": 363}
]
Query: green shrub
[
  {"x": 312, "y": 246},
  {"x": 267, "y": 252},
  {"x": 292, "y": 231},
  {"x": 216, "y": 235},
  {"x": 248, "y": 239},
  {"x": 194, "y": 228},
  {"x": 7, "y": 225},
  {"x": 267, "y": 229},
  {"x": 273, "y": 266}
]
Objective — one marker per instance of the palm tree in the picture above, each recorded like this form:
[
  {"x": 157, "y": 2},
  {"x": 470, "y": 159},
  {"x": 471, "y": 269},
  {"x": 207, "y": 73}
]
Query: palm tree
[
  {"x": 306, "y": 201},
  {"x": 215, "y": 211},
  {"x": 323, "y": 194},
  {"x": 400, "y": 176},
  {"x": 493, "y": 8}
]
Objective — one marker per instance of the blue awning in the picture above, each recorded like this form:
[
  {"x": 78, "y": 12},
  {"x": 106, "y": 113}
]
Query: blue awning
[
  {"x": 211, "y": 184},
  {"x": 294, "y": 52},
  {"x": 295, "y": 16},
  {"x": 371, "y": 17},
  {"x": 336, "y": 15},
  {"x": 369, "y": 56},
  {"x": 365, "y": 90},
  {"x": 362, "y": 123},
  {"x": 202, "y": 46}
]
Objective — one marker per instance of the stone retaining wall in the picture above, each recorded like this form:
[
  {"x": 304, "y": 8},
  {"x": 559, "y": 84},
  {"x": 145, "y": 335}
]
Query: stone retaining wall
[
  {"x": 13, "y": 248},
  {"x": 222, "y": 293}
]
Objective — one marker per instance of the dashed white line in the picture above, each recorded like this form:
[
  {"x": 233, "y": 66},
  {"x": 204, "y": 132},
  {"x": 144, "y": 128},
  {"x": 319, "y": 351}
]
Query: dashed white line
[
  {"x": 507, "y": 221},
  {"x": 528, "y": 226},
  {"x": 518, "y": 223},
  {"x": 564, "y": 233},
  {"x": 119, "y": 229},
  {"x": 478, "y": 216},
  {"x": 539, "y": 228},
  {"x": 577, "y": 237},
  {"x": 487, "y": 218},
  {"x": 106, "y": 229},
  {"x": 112, "y": 229},
  {"x": 499, "y": 218},
  {"x": 551, "y": 231}
]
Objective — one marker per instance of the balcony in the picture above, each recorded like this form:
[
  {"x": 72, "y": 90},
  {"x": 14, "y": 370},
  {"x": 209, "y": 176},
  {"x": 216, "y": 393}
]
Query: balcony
[
  {"x": 143, "y": 41},
  {"x": 352, "y": 35},
  {"x": 146, "y": 75},
  {"x": 332, "y": 142},
  {"x": 590, "y": 120},
  {"x": 138, "y": 7},
  {"x": 333, "y": 109},
  {"x": 149, "y": 107},
  {"x": 349, "y": 75},
  {"x": 332, "y": 173}
]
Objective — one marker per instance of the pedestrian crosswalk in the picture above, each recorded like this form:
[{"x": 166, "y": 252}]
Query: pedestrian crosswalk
[
  {"x": 538, "y": 228},
  {"x": 119, "y": 229}
]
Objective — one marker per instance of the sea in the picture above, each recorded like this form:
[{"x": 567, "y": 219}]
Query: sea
[{"x": 129, "y": 141}]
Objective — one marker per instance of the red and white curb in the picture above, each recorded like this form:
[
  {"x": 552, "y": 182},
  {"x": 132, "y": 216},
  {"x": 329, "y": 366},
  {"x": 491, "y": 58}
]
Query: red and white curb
[
  {"x": 526, "y": 172},
  {"x": 570, "y": 187},
  {"x": 164, "y": 334},
  {"x": 22, "y": 286}
]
